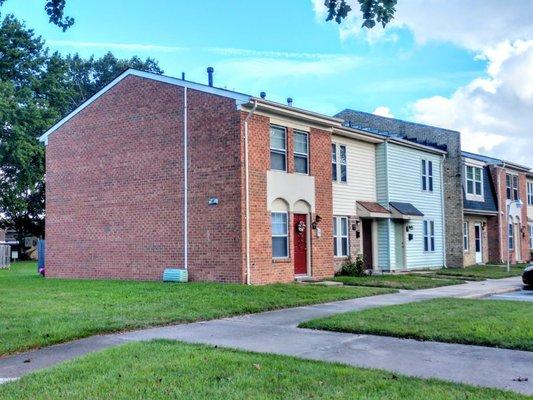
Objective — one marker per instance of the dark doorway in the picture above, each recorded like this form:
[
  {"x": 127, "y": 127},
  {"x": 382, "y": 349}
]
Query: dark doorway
[{"x": 367, "y": 243}]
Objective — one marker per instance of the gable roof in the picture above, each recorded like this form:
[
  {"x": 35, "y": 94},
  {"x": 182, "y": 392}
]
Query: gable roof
[{"x": 239, "y": 98}]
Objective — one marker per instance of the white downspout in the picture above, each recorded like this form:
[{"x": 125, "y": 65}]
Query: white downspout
[
  {"x": 185, "y": 184},
  {"x": 444, "y": 259},
  {"x": 247, "y": 195}
]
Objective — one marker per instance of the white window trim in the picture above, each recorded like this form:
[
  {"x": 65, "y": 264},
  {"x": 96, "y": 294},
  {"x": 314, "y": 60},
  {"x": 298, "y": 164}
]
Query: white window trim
[
  {"x": 426, "y": 176},
  {"x": 474, "y": 196},
  {"x": 338, "y": 162},
  {"x": 466, "y": 236},
  {"x": 431, "y": 235},
  {"x": 338, "y": 238},
  {"x": 283, "y": 236},
  {"x": 279, "y": 151},
  {"x": 531, "y": 237},
  {"x": 530, "y": 193},
  {"x": 306, "y": 155},
  {"x": 510, "y": 236}
]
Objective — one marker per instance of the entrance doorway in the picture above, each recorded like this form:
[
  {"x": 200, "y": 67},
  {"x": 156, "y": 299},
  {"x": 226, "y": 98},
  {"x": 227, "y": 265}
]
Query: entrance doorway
[
  {"x": 300, "y": 231},
  {"x": 399, "y": 240},
  {"x": 367, "y": 244},
  {"x": 478, "y": 239}
]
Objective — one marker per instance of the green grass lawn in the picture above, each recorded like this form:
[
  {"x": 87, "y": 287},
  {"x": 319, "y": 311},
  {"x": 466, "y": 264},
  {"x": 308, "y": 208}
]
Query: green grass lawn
[
  {"x": 36, "y": 312},
  {"x": 173, "y": 370},
  {"x": 480, "y": 272},
  {"x": 411, "y": 281},
  {"x": 494, "y": 323}
]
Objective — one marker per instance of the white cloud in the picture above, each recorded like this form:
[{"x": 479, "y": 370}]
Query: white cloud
[
  {"x": 494, "y": 113},
  {"x": 383, "y": 111}
]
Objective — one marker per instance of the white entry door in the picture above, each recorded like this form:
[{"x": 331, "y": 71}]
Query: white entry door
[{"x": 478, "y": 243}]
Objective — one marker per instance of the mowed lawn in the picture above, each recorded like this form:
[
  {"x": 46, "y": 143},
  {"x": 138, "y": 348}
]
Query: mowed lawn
[
  {"x": 480, "y": 272},
  {"x": 403, "y": 281},
  {"x": 495, "y": 323},
  {"x": 36, "y": 312},
  {"x": 173, "y": 370}
]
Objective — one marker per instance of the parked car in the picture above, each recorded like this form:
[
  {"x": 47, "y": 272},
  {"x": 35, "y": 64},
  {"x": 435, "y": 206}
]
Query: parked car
[{"x": 527, "y": 276}]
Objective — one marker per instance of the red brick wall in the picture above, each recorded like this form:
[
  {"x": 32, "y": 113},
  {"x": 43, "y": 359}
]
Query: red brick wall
[
  {"x": 499, "y": 253},
  {"x": 263, "y": 268},
  {"x": 115, "y": 186}
]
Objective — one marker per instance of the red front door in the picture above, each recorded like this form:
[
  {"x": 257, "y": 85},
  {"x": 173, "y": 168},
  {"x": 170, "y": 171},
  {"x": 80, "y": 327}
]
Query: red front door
[{"x": 300, "y": 244}]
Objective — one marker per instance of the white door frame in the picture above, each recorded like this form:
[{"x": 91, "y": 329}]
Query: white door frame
[
  {"x": 479, "y": 255},
  {"x": 518, "y": 243}
]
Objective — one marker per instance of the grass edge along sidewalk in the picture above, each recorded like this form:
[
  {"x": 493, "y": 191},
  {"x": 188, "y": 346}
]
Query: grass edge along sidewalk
[
  {"x": 493, "y": 323},
  {"x": 169, "y": 369},
  {"x": 38, "y": 312}
]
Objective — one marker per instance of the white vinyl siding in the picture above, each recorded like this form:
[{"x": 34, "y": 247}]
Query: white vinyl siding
[
  {"x": 340, "y": 236},
  {"x": 361, "y": 185}
]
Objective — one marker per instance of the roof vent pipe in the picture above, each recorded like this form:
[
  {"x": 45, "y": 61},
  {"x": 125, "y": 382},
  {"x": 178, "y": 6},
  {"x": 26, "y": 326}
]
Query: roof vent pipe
[
  {"x": 263, "y": 95},
  {"x": 183, "y": 76},
  {"x": 210, "y": 71},
  {"x": 289, "y": 101}
]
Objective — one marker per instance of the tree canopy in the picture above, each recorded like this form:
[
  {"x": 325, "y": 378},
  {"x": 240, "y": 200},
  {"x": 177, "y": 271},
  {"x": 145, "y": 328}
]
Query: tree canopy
[
  {"x": 36, "y": 89},
  {"x": 374, "y": 11},
  {"x": 56, "y": 13}
]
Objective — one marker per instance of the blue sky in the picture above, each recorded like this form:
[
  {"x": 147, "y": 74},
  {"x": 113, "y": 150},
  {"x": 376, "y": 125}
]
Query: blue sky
[{"x": 416, "y": 67}]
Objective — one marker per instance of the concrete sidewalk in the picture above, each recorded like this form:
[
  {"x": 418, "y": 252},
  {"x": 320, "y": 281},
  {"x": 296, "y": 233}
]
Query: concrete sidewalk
[{"x": 277, "y": 332}]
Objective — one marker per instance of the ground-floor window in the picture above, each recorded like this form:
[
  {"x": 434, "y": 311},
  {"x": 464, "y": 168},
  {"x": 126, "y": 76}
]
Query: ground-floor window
[
  {"x": 429, "y": 235},
  {"x": 280, "y": 235},
  {"x": 531, "y": 237},
  {"x": 511, "y": 237},
  {"x": 465, "y": 236},
  {"x": 340, "y": 236}
]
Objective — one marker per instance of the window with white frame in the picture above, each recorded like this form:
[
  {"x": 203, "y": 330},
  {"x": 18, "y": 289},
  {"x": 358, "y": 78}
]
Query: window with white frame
[
  {"x": 511, "y": 182},
  {"x": 301, "y": 152},
  {"x": 280, "y": 235},
  {"x": 465, "y": 236},
  {"x": 530, "y": 193},
  {"x": 511, "y": 236},
  {"x": 429, "y": 236},
  {"x": 338, "y": 163},
  {"x": 427, "y": 175},
  {"x": 531, "y": 237},
  {"x": 474, "y": 181},
  {"x": 278, "y": 148},
  {"x": 340, "y": 236}
]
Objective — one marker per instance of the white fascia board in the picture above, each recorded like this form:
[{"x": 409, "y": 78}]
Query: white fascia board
[{"x": 238, "y": 97}]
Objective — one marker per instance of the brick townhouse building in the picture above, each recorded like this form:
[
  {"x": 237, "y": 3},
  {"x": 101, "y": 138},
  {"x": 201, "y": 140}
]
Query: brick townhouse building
[{"x": 155, "y": 172}]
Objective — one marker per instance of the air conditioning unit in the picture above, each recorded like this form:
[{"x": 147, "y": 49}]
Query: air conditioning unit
[{"x": 175, "y": 275}]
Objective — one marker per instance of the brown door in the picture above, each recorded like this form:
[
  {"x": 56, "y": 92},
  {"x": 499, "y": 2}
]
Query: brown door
[
  {"x": 367, "y": 243},
  {"x": 300, "y": 244}
]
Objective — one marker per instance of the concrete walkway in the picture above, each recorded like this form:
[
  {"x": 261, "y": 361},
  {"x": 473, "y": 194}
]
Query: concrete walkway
[{"x": 277, "y": 332}]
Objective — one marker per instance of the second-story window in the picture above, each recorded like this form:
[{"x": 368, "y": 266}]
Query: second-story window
[
  {"x": 301, "y": 152},
  {"x": 474, "y": 182},
  {"x": 338, "y": 162},
  {"x": 278, "y": 148},
  {"x": 427, "y": 175},
  {"x": 511, "y": 183},
  {"x": 530, "y": 193}
]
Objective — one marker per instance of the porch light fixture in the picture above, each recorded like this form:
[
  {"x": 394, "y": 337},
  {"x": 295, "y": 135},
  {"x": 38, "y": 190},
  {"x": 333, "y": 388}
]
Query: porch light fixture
[{"x": 318, "y": 218}]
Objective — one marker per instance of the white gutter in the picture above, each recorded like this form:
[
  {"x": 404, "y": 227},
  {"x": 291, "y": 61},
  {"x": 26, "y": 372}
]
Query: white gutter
[
  {"x": 185, "y": 184},
  {"x": 443, "y": 210},
  {"x": 247, "y": 196}
]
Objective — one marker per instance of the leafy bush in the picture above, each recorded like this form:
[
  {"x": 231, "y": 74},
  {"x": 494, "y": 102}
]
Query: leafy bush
[{"x": 353, "y": 268}]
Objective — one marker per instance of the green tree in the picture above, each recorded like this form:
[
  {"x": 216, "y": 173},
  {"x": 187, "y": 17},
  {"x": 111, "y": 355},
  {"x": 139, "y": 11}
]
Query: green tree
[
  {"x": 56, "y": 13},
  {"x": 374, "y": 11},
  {"x": 36, "y": 89}
]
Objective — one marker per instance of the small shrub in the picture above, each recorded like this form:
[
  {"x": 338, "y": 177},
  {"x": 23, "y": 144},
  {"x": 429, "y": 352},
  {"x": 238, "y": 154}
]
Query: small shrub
[{"x": 353, "y": 268}]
